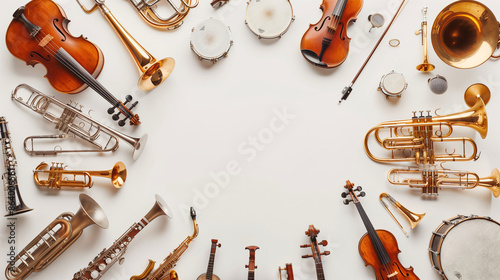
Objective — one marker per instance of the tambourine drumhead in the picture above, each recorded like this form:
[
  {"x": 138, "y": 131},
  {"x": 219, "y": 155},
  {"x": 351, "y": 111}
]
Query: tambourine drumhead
[
  {"x": 211, "y": 39},
  {"x": 393, "y": 84},
  {"x": 269, "y": 18},
  {"x": 470, "y": 249}
]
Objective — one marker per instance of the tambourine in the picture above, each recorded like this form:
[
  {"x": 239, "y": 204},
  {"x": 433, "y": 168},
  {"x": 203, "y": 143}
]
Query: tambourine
[
  {"x": 269, "y": 19},
  {"x": 392, "y": 84},
  {"x": 211, "y": 40}
]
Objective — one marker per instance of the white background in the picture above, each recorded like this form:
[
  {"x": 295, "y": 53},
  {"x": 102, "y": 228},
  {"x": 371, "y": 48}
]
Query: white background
[{"x": 203, "y": 118}]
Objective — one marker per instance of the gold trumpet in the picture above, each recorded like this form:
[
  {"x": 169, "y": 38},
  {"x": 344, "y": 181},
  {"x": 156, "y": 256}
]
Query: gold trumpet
[
  {"x": 413, "y": 218},
  {"x": 465, "y": 34},
  {"x": 420, "y": 134},
  {"x": 147, "y": 10},
  {"x": 425, "y": 66},
  {"x": 430, "y": 180},
  {"x": 56, "y": 176},
  {"x": 55, "y": 239},
  {"x": 154, "y": 72}
]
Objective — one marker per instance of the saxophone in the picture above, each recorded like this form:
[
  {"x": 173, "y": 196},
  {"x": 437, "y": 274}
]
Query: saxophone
[{"x": 164, "y": 270}]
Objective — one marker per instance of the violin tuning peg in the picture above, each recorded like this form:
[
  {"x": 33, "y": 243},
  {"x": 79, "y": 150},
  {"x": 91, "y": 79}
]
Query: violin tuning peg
[
  {"x": 122, "y": 122},
  {"x": 343, "y": 195},
  {"x": 346, "y": 201},
  {"x": 306, "y": 256},
  {"x": 358, "y": 188},
  {"x": 305, "y": 245},
  {"x": 324, "y": 243},
  {"x": 128, "y": 98},
  {"x": 255, "y": 267},
  {"x": 362, "y": 194},
  {"x": 111, "y": 110},
  {"x": 326, "y": 253},
  {"x": 246, "y": 265}
]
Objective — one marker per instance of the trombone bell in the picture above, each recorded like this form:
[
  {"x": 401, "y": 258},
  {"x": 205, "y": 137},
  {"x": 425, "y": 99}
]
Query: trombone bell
[{"x": 413, "y": 218}]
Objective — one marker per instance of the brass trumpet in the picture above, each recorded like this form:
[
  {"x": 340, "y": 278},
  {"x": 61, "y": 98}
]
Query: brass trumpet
[
  {"x": 413, "y": 218},
  {"x": 425, "y": 66},
  {"x": 430, "y": 180},
  {"x": 465, "y": 34},
  {"x": 147, "y": 10},
  {"x": 154, "y": 72},
  {"x": 55, "y": 239},
  {"x": 424, "y": 132},
  {"x": 56, "y": 176}
]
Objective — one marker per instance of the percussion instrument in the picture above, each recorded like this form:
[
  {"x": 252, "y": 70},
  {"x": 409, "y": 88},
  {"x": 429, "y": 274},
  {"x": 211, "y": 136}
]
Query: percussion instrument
[
  {"x": 14, "y": 203},
  {"x": 466, "y": 247},
  {"x": 210, "y": 269},
  {"x": 269, "y": 19},
  {"x": 211, "y": 40},
  {"x": 312, "y": 232},
  {"x": 147, "y": 11},
  {"x": 413, "y": 218},
  {"x": 56, "y": 238},
  {"x": 392, "y": 84},
  {"x": 425, "y": 66}
]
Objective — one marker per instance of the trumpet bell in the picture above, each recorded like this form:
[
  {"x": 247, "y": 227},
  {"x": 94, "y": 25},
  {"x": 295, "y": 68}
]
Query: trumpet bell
[
  {"x": 465, "y": 34},
  {"x": 155, "y": 73},
  {"x": 118, "y": 174}
]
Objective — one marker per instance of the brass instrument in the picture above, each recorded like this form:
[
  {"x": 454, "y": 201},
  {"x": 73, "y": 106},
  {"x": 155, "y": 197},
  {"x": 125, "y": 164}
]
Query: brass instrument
[
  {"x": 154, "y": 72},
  {"x": 147, "y": 10},
  {"x": 56, "y": 238},
  {"x": 413, "y": 218},
  {"x": 107, "y": 257},
  {"x": 430, "y": 180},
  {"x": 56, "y": 176},
  {"x": 425, "y": 66},
  {"x": 72, "y": 122},
  {"x": 164, "y": 270},
  {"x": 289, "y": 271},
  {"x": 424, "y": 132},
  {"x": 465, "y": 34},
  {"x": 9, "y": 177}
]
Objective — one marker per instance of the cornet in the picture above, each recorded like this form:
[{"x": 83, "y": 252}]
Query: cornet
[
  {"x": 154, "y": 72},
  {"x": 56, "y": 238},
  {"x": 72, "y": 122},
  {"x": 413, "y": 218},
  {"x": 425, "y": 66},
  {"x": 56, "y": 176},
  {"x": 147, "y": 10}
]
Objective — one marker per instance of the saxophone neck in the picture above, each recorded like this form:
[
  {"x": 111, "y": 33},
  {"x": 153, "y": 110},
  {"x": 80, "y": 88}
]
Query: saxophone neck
[{"x": 195, "y": 225}]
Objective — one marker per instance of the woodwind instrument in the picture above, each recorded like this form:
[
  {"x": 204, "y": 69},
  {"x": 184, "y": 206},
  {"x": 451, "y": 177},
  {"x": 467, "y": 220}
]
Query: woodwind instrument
[
  {"x": 210, "y": 269},
  {"x": 289, "y": 271},
  {"x": 251, "y": 262},
  {"x": 312, "y": 232},
  {"x": 9, "y": 177},
  {"x": 107, "y": 257},
  {"x": 164, "y": 270}
]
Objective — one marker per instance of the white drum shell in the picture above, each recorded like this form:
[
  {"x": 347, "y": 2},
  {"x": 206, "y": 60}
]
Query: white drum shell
[
  {"x": 269, "y": 19},
  {"x": 466, "y": 248},
  {"x": 211, "y": 40}
]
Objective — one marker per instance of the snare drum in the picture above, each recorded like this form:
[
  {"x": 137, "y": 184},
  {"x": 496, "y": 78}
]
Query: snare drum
[
  {"x": 392, "y": 84},
  {"x": 211, "y": 40},
  {"x": 466, "y": 247},
  {"x": 269, "y": 19}
]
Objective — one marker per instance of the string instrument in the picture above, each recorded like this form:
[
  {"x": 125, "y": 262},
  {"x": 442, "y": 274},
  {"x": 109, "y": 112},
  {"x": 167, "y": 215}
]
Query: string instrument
[
  {"x": 312, "y": 232},
  {"x": 325, "y": 44},
  {"x": 289, "y": 271},
  {"x": 378, "y": 248},
  {"x": 251, "y": 262},
  {"x": 38, "y": 34},
  {"x": 210, "y": 269}
]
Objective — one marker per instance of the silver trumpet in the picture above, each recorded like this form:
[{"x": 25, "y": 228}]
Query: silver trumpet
[
  {"x": 55, "y": 239},
  {"x": 72, "y": 122}
]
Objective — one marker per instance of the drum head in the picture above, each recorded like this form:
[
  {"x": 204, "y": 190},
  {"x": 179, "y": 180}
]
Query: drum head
[
  {"x": 211, "y": 39},
  {"x": 471, "y": 250},
  {"x": 393, "y": 84},
  {"x": 269, "y": 18}
]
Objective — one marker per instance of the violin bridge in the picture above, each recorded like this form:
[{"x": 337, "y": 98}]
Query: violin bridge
[{"x": 45, "y": 40}]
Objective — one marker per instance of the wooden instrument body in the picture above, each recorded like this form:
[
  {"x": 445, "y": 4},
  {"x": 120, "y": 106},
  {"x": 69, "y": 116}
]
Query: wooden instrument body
[
  {"x": 52, "y": 20},
  {"x": 204, "y": 277},
  {"x": 338, "y": 50},
  {"x": 369, "y": 255}
]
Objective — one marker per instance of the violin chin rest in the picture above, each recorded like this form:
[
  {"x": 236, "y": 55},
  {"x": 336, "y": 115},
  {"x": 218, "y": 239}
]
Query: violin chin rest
[{"x": 313, "y": 58}]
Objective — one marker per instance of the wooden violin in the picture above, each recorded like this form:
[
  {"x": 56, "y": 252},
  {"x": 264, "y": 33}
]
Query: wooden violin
[
  {"x": 325, "y": 44},
  {"x": 378, "y": 248},
  {"x": 210, "y": 269},
  {"x": 251, "y": 262},
  {"x": 38, "y": 34},
  {"x": 312, "y": 232}
]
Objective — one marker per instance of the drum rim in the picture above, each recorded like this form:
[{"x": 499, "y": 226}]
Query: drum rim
[
  {"x": 205, "y": 57},
  {"x": 385, "y": 91},
  {"x": 279, "y": 35}
]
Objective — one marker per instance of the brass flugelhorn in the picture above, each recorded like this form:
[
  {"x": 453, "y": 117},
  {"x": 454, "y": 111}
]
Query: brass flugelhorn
[
  {"x": 465, "y": 34},
  {"x": 413, "y": 218},
  {"x": 55, "y": 239},
  {"x": 147, "y": 10},
  {"x": 72, "y": 123},
  {"x": 425, "y": 66},
  {"x": 431, "y": 179},
  {"x": 57, "y": 176},
  {"x": 419, "y": 136},
  {"x": 154, "y": 72},
  {"x": 164, "y": 270}
]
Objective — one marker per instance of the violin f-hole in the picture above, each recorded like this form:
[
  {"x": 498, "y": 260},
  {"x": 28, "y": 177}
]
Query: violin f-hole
[
  {"x": 323, "y": 23},
  {"x": 59, "y": 30}
]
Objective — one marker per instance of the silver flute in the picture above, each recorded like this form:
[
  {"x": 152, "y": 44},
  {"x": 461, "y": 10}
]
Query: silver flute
[{"x": 14, "y": 204}]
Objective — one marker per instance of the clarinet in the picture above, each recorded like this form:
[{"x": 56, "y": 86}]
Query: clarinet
[
  {"x": 9, "y": 177},
  {"x": 108, "y": 257}
]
